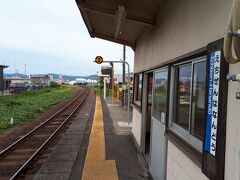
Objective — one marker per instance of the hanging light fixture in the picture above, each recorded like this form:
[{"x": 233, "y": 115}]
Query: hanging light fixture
[{"x": 119, "y": 21}]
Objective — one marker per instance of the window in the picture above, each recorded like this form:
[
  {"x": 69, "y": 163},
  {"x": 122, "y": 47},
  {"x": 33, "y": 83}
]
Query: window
[
  {"x": 189, "y": 100},
  {"x": 160, "y": 95},
  {"x": 138, "y": 89},
  {"x": 150, "y": 85},
  {"x": 182, "y": 92},
  {"x": 198, "y": 100}
]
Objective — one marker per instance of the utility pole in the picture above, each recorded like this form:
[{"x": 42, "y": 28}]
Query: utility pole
[
  {"x": 112, "y": 83},
  {"x": 123, "y": 75},
  {"x": 98, "y": 84},
  {"x": 15, "y": 67},
  {"x": 25, "y": 69},
  {"x": 124, "y": 59}
]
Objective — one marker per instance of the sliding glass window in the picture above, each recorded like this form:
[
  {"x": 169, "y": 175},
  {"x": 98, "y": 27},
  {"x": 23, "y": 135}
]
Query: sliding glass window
[
  {"x": 182, "y": 93},
  {"x": 198, "y": 100},
  {"x": 189, "y": 98},
  {"x": 138, "y": 89},
  {"x": 160, "y": 95}
]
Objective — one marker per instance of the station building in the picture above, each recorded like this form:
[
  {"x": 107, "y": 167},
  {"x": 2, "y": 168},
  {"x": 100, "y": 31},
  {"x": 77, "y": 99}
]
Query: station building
[
  {"x": 185, "y": 115},
  {"x": 40, "y": 80}
]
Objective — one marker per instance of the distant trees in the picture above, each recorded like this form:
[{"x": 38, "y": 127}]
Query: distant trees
[{"x": 54, "y": 84}]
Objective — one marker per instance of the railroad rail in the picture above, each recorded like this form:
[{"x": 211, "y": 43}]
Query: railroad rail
[{"x": 15, "y": 159}]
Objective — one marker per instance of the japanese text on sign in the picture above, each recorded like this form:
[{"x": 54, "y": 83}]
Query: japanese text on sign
[{"x": 213, "y": 98}]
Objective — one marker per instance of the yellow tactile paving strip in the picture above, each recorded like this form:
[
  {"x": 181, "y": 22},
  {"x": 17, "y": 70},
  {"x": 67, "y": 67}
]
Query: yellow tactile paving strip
[{"x": 96, "y": 167}]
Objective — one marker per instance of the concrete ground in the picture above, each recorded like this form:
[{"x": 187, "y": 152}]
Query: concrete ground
[
  {"x": 119, "y": 144},
  {"x": 67, "y": 160},
  {"x": 119, "y": 116}
]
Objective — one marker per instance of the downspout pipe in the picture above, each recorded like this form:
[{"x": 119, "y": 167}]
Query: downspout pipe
[{"x": 232, "y": 35}]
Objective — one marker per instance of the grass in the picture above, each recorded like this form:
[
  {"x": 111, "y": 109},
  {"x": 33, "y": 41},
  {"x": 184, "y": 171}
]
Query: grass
[
  {"x": 100, "y": 91},
  {"x": 24, "y": 107}
]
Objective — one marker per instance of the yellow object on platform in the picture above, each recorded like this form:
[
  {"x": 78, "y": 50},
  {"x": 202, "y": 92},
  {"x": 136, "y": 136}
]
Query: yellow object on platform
[
  {"x": 96, "y": 167},
  {"x": 118, "y": 93}
]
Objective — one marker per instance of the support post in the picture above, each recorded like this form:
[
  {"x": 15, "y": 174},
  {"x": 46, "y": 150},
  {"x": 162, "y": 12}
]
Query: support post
[
  {"x": 124, "y": 59},
  {"x": 128, "y": 85},
  {"x": 112, "y": 83},
  {"x": 123, "y": 75},
  {"x": 104, "y": 81},
  {"x": 1, "y": 80}
]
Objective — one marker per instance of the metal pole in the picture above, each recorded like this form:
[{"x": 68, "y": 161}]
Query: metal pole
[
  {"x": 112, "y": 84},
  {"x": 124, "y": 59},
  {"x": 123, "y": 75},
  {"x": 104, "y": 81},
  {"x": 97, "y": 84},
  {"x": 128, "y": 84}
]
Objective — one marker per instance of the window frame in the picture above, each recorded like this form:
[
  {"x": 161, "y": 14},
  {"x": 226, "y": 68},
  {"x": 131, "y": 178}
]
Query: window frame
[
  {"x": 136, "y": 101},
  {"x": 180, "y": 131},
  {"x": 163, "y": 69}
]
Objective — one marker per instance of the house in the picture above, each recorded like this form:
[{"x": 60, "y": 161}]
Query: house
[
  {"x": 118, "y": 78},
  {"x": 16, "y": 82},
  {"x": 183, "y": 53},
  {"x": 1, "y": 77},
  {"x": 7, "y": 83},
  {"x": 40, "y": 80}
]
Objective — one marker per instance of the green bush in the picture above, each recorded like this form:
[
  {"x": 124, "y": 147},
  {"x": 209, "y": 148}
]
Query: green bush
[
  {"x": 24, "y": 107},
  {"x": 54, "y": 84}
]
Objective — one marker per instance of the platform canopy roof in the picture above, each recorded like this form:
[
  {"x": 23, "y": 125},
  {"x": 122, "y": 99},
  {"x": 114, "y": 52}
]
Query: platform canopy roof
[{"x": 120, "y": 21}]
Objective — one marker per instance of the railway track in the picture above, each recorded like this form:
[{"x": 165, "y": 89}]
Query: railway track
[{"x": 16, "y": 158}]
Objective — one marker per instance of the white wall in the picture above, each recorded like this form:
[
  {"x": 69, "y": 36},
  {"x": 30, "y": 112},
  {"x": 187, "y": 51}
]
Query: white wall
[
  {"x": 182, "y": 27},
  {"x": 232, "y": 165},
  {"x": 180, "y": 167},
  {"x": 136, "y": 125}
]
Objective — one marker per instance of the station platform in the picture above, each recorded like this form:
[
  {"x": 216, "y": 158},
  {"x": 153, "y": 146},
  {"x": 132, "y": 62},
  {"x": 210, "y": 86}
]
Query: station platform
[{"x": 95, "y": 147}]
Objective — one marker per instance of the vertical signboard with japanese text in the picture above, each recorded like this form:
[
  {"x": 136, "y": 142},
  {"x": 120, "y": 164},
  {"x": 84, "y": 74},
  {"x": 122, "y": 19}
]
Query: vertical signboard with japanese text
[
  {"x": 213, "y": 102},
  {"x": 213, "y": 155}
]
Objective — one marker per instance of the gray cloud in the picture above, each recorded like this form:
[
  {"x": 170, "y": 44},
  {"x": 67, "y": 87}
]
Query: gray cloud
[{"x": 50, "y": 36}]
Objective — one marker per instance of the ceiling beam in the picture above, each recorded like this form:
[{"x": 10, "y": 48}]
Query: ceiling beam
[{"x": 109, "y": 12}]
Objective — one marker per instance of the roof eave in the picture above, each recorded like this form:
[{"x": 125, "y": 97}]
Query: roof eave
[
  {"x": 3, "y": 66},
  {"x": 86, "y": 20},
  {"x": 99, "y": 35}
]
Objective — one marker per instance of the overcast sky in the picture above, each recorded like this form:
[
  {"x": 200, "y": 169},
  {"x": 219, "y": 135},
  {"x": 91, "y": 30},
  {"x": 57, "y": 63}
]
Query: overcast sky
[{"x": 50, "y": 36}]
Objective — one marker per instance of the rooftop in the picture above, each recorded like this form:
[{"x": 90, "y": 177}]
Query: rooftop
[
  {"x": 39, "y": 76},
  {"x": 3, "y": 66},
  {"x": 16, "y": 78}
]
